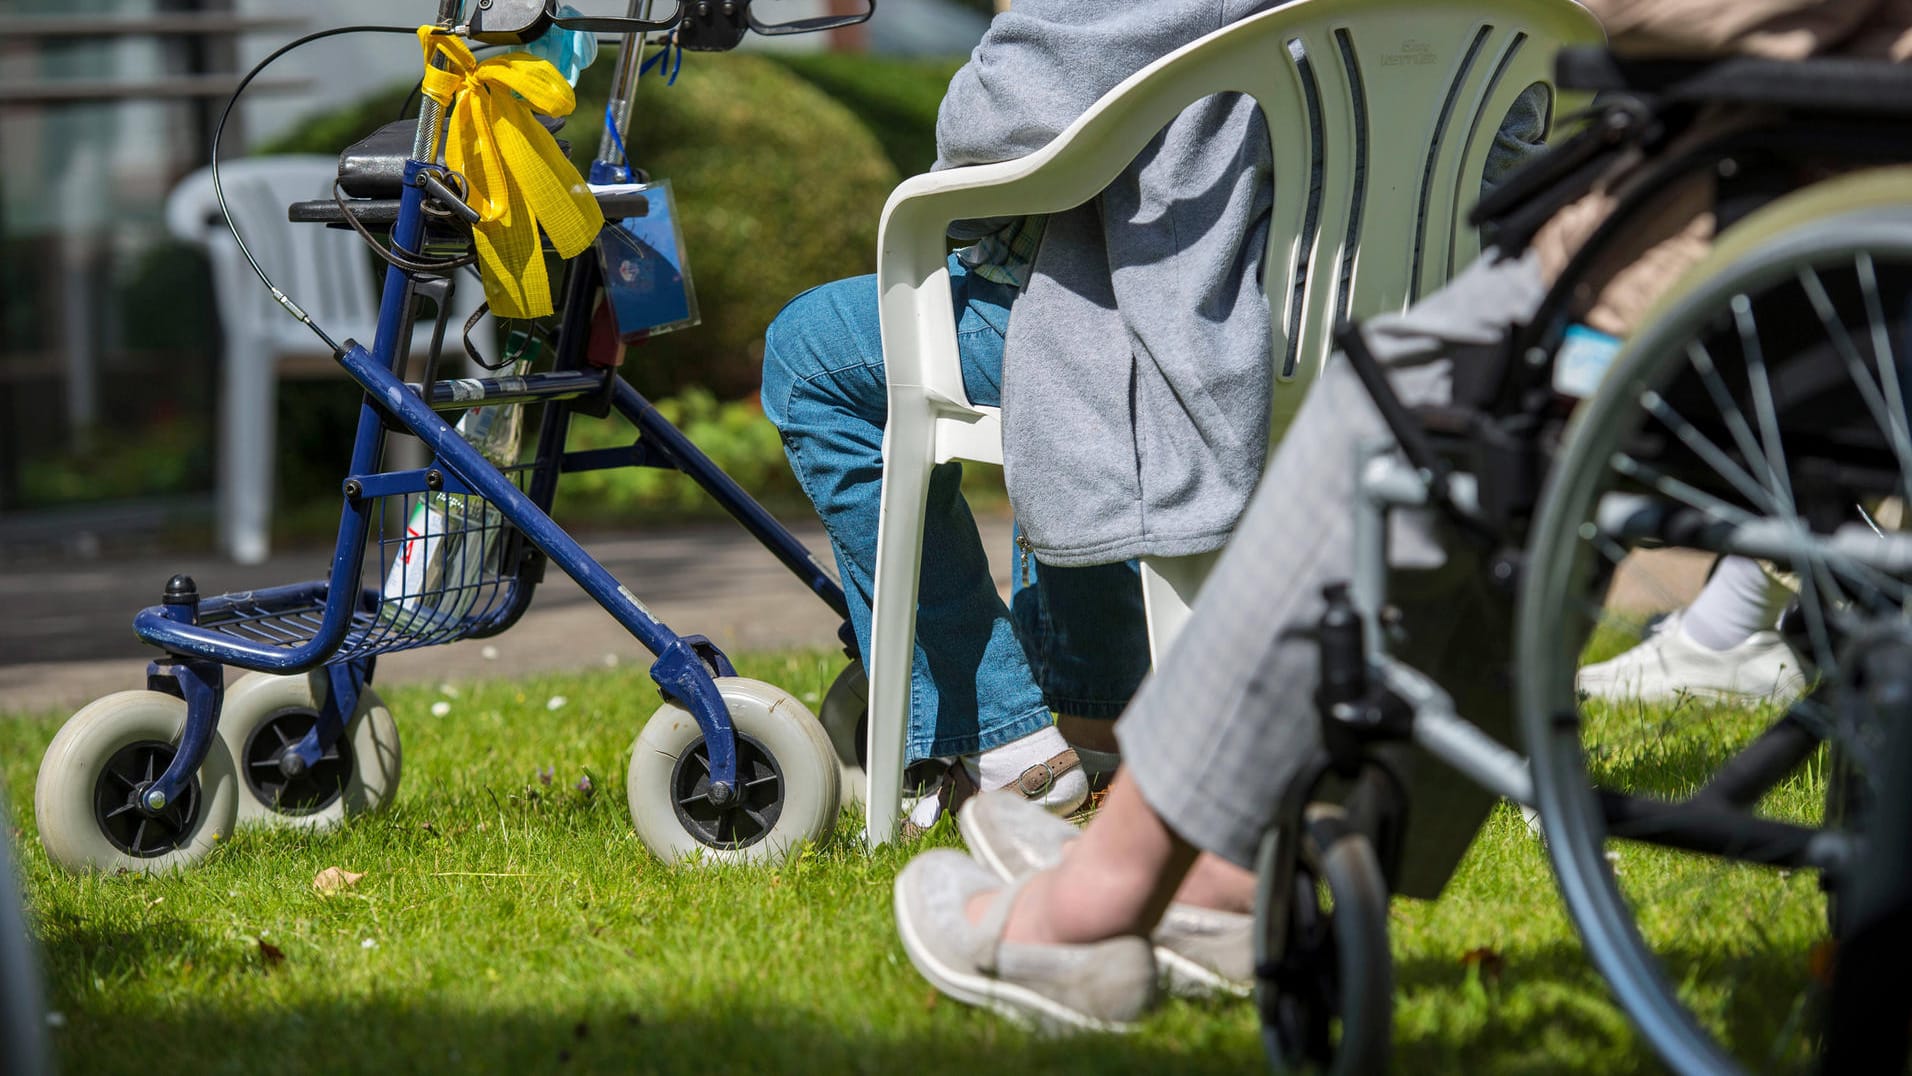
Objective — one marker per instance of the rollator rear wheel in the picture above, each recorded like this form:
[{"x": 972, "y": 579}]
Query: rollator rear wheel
[
  {"x": 105, "y": 755},
  {"x": 786, "y": 768},
  {"x": 1695, "y": 840},
  {"x": 1327, "y": 1003},
  {"x": 846, "y": 718},
  {"x": 264, "y": 715}
]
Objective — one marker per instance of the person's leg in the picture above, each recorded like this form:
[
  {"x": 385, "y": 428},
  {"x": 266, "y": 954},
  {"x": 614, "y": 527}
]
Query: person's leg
[
  {"x": 824, "y": 389},
  {"x": 1725, "y": 643},
  {"x": 1739, "y": 601},
  {"x": 1224, "y": 725},
  {"x": 1128, "y": 858},
  {"x": 1087, "y": 641}
]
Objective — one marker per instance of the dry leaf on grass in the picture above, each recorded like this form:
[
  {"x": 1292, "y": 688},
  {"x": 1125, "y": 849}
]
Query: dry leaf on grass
[
  {"x": 271, "y": 954},
  {"x": 1487, "y": 961},
  {"x": 333, "y": 879},
  {"x": 1821, "y": 960}
]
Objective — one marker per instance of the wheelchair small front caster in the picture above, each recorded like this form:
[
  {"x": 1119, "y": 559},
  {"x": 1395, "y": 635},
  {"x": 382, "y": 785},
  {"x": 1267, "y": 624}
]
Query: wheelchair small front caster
[
  {"x": 264, "y": 715},
  {"x": 1324, "y": 982},
  {"x": 787, "y": 780},
  {"x": 85, "y": 799}
]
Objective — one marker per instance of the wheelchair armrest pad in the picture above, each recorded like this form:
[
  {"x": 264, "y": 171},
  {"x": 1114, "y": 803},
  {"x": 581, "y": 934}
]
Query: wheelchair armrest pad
[{"x": 1837, "y": 84}]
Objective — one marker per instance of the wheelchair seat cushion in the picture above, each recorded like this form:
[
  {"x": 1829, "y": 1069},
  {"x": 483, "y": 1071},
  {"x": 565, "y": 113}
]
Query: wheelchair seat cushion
[
  {"x": 1827, "y": 84},
  {"x": 374, "y": 166}
]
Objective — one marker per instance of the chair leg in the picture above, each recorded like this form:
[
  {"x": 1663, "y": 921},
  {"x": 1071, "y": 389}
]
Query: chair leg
[
  {"x": 907, "y": 459},
  {"x": 248, "y": 418},
  {"x": 1169, "y": 587}
]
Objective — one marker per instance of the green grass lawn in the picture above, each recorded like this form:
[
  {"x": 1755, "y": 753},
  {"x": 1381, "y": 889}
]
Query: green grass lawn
[{"x": 508, "y": 925}]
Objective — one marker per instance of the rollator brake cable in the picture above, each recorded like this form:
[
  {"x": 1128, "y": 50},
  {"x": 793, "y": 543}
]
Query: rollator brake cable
[{"x": 219, "y": 190}]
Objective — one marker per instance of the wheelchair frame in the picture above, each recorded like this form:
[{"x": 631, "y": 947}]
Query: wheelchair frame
[{"x": 1369, "y": 699}]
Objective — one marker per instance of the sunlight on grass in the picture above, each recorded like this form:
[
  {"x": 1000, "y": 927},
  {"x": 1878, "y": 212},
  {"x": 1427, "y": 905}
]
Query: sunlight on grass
[{"x": 507, "y": 923}]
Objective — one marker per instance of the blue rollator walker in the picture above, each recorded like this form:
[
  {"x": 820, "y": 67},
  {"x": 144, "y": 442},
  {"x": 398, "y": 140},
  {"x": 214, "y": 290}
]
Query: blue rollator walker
[{"x": 729, "y": 767}]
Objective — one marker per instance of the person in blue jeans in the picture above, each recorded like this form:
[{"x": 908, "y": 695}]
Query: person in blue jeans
[
  {"x": 1134, "y": 380},
  {"x": 986, "y": 675}
]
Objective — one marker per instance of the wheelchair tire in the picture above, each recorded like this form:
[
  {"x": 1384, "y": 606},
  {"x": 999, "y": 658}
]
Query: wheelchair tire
[
  {"x": 264, "y": 714},
  {"x": 1327, "y": 1004},
  {"x": 785, "y": 765},
  {"x": 1739, "y": 400},
  {"x": 99, "y": 758}
]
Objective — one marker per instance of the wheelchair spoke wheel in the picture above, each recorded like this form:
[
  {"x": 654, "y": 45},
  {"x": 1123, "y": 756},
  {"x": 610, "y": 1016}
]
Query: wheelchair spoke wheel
[
  {"x": 264, "y": 716},
  {"x": 1324, "y": 979},
  {"x": 787, "y": 780},
  {"x": 1761, "y": 414}
]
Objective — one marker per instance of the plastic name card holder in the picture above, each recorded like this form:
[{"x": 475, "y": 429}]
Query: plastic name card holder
[
  {"x": 646, "y": 279},
  {"x": 1582, "y": 361}
]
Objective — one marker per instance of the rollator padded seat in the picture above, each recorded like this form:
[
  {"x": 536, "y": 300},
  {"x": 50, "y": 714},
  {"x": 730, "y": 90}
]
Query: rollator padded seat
[
  {"x": 372, "y": 175},
  {"x": 1833, "y": 84},
  {"x": 374, "y": 166}
]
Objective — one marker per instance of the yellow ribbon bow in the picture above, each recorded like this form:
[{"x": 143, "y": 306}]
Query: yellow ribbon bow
[{"x": 518, "y": 179}]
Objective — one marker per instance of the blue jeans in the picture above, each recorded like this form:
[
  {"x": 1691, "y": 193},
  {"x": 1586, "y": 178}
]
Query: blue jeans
[{"x": 983, "y": 676}]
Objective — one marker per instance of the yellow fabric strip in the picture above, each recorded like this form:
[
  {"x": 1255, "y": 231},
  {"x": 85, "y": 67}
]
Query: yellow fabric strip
[{"x": 519, "y": 181}]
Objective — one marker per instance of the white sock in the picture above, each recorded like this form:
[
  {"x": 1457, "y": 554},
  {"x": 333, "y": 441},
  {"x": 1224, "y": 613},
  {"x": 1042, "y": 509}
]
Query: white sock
[
  {"x": 1740, "y": 599},
  {"x": 922, "y": 810},
  {"x": 925, "y": 811},
  {"x": 1001, "y": 766}
]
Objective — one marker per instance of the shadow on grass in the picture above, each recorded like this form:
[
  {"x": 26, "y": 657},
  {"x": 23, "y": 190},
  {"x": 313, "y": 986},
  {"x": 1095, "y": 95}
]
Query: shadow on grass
[
  {"x": 419, "y": 1034},
  {"x": 1547, "y": 1009}
]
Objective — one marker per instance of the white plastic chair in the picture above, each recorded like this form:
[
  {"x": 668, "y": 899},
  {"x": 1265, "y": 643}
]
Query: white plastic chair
[
  {"x": 1415, "y": 89},
  {"x": 328, "y": 271}
]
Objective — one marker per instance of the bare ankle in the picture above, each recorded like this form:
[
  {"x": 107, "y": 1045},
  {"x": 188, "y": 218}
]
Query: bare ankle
[{"x": 1216, "y": 883}]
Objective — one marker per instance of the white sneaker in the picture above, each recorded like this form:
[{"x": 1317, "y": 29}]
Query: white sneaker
[{"x": 1668, "y": 662}]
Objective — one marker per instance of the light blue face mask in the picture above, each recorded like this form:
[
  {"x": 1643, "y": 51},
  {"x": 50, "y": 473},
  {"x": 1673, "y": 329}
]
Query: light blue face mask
[{"x": 570, "y": 51}]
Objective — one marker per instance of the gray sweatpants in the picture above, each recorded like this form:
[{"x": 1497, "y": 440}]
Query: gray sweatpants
[{"x": 1228, "y": 717}]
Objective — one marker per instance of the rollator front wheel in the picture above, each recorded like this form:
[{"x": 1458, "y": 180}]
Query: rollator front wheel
[
  {"x": 787, "y": 774},
  {"x": 1761, "y": 413},
  {"x": 1327, "y": 999},
  {"x": 85, "y": 798},
  {"x": 846, "y": 718},
  {"x": 265, "y": 715}
]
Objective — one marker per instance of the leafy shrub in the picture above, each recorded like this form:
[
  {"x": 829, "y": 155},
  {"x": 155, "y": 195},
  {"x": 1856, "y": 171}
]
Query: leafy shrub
[
  {"x": 738, "y": 437},
  {"x": 896, "y": 98},
  {"x": 735, "y": 435}
]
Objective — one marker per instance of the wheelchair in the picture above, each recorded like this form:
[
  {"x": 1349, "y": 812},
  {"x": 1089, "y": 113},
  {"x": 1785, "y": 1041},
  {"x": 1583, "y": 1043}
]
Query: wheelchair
[{"x": 1761, "y": 410}]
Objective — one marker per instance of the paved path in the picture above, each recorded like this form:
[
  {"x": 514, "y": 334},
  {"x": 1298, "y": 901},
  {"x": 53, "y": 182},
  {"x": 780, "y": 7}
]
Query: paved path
[{"x": 66, "y": 636}]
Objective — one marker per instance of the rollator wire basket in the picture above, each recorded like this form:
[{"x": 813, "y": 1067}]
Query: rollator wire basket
[
  {"x": 447, "y": 568},
  {"x": 440, "y": 566}
]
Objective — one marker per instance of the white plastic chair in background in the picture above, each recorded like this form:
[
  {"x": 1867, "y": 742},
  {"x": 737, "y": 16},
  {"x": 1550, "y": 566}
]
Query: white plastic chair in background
[
  {"x": 328, "y": 271},
  {"x": 1408, "y": 94}
]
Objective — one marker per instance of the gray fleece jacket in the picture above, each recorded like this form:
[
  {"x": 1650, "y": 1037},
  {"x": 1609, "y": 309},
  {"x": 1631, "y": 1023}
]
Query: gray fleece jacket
[{"x": 1136, "y": 373}]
